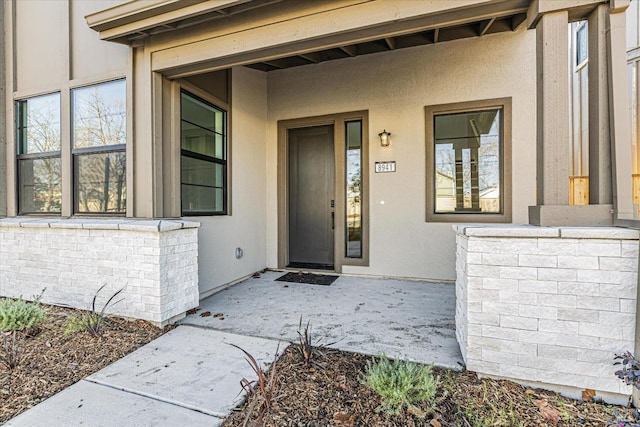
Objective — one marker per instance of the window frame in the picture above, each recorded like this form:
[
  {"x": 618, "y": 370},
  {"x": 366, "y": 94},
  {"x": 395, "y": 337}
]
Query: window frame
[
  {"x": 224, "y": 107},
  {"x": 20, "y": 157},
  {"x": 360, "y": 189},
  {"x": 76, "y": 153},
  {"x": 580, "y": 27},
  {"x": 505, "y": 214}
]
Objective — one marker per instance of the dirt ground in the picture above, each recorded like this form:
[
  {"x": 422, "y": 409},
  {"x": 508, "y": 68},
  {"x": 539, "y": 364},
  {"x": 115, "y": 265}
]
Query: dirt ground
[{"x": 333, "y": 396}]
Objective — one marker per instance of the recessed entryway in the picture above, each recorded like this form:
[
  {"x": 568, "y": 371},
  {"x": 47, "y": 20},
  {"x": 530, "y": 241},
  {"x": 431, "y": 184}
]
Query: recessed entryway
[{"x": 323, "y": 214}]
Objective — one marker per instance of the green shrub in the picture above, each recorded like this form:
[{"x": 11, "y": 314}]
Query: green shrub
[
  {"x": 400, "y": 384},
  {"x": 19, "y": 315}
]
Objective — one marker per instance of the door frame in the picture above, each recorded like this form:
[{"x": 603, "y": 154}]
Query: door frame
[{"x": 338, "y": 121}]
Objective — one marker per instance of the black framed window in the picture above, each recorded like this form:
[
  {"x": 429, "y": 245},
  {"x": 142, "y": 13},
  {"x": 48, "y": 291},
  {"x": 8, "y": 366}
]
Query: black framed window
[
  {"x": 203, "y": 143},
  {"x": 99, "y": 141},
  {"x": 39, "y": 165}
]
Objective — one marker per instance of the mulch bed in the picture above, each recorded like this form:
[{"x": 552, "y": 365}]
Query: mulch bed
[
  {"x": 54, "y": 360},
  {"x": 333, "y": 396}
]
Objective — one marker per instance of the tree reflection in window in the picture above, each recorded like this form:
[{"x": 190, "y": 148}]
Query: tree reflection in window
[
  {"x": 354, "y": 189},
  {"x": 467, "y": 162},
  {"x": 39, "y": 166},
  {"x": 99, "y": 139}
]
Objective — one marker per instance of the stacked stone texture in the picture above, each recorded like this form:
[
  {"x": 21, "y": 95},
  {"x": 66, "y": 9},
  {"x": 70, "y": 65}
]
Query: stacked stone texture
[
  {"x": 547, "y": 305},
  {"x": 156, "y": 262}
]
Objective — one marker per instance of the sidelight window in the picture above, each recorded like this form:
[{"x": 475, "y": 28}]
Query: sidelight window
[{"x": 354, "y": 188}]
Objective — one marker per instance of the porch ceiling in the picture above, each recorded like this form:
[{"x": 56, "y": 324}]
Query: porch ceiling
[{"x": 495, "y": 24}]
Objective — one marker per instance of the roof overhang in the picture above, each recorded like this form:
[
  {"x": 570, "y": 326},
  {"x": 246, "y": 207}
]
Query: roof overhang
[
  {"x": 206, "y": 35},
  {"x": 137, "y": 19}
]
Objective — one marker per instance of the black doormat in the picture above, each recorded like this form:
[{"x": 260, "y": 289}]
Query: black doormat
[{"x": 308, "y": 278}]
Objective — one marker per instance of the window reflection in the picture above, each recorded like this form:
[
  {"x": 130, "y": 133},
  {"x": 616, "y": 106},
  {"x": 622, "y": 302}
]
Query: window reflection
[
  {"x": 99, "y": 138},
  {"x": 40, "y": 189},
  {"x": 99, "y": 115},
  {"x": 39, "y": 124},
  {"x": 467, "y": 162},
  {"x": 354, "y": 189},
  {"x": 38, "y": 136},
  {"x": 101, "y": 182}
]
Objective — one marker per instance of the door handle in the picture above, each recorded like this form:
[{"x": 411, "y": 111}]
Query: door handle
[{"x": 333, "y": 220}]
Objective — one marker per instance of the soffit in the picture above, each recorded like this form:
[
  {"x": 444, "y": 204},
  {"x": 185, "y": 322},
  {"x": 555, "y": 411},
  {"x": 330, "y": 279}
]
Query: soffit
[
  {"x": 473, "y": 28},
  {"x": 293, "y": 33}
]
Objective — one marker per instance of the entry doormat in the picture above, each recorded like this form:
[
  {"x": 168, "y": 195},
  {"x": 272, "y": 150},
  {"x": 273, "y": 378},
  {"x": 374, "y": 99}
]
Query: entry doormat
[{"x": 308, "y": 278}]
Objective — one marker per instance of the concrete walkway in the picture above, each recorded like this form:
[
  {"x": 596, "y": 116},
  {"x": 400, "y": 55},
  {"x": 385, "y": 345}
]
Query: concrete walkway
[{"x": 190, "y": 376}]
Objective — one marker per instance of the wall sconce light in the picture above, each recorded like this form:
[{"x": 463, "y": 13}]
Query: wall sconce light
[{"x": 385, "y": 138}]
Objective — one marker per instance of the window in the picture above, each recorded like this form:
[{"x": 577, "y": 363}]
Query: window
[
  {"x": 203, "y": 134},
  {"x": 39, "y": 166},
  {"x": 582, "y": 47},
  {"x": 99, "y": 139},
  {"x": 469, "y": 162},
  {"x": 353, "y": 146}
]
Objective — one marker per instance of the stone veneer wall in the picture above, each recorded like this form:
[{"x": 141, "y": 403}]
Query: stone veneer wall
[
  {"x": 155, "y": 261},
  {"x": 547, "y": 306}
]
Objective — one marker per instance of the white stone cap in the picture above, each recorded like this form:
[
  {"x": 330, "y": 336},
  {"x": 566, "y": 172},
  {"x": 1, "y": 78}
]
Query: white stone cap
[
  {"x": 525, "y": 230},
  {"x": 157, "y": 225}
]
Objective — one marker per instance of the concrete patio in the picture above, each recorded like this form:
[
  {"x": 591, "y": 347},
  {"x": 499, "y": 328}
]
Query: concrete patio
[{"x": 414, "y": 320}]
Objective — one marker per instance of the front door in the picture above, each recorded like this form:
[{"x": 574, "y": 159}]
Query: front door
[{"x": 311, "y": 197}]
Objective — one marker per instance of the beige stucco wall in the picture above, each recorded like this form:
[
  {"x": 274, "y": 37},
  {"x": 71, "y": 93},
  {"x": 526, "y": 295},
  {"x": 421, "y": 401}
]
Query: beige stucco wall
[
  {"x": 68, "y": 47},
  {"x": 395, "y": 87},
  {"x": 34, "y": 48},
  {"x": 112, "y": 57},
  {"x": 219, "y": 236}
]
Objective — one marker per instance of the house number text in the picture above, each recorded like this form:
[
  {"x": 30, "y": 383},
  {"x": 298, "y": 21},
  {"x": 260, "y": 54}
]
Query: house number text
[{"x": 385, "y": 167}]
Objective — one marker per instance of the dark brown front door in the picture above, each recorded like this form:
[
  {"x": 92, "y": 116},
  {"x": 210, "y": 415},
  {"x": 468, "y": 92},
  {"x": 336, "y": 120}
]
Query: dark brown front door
[{"x": 311, "y": 197}]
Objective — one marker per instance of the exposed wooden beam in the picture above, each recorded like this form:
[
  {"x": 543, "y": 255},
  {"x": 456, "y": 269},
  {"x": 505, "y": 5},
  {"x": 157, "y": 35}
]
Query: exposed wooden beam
[
  {"x": 391, "y": 42},
  {"x": 311, "y": 57},
  {"x": 277, "y": 63},
  {"x": 485, "y": 25},
  {"x": 436, "y": 35},
  {"x": 349, "y": 50},
  {"x": 518, "y": 20}
]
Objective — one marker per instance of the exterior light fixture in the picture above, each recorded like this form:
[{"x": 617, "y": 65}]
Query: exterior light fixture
[{"x": 385, "y": 138}]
